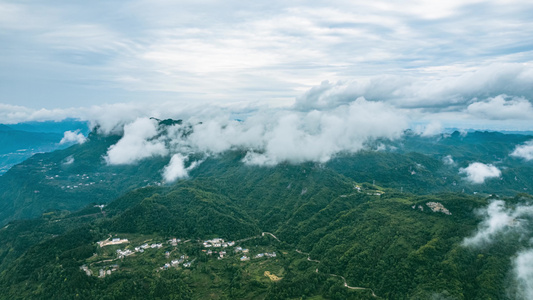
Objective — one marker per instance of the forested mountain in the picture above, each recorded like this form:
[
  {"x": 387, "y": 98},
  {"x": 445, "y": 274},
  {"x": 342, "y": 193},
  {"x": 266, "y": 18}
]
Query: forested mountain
[{"x": 397, "y": 221}]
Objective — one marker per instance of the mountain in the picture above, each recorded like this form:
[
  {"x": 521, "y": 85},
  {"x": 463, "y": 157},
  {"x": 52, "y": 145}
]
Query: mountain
[
  {"x": 20, "y": 141},
  {"x": 389, "y": 243},
  {"x": 71, "y": 178},
  {"x": 52, "y": 126},
  {"x": 390, "y": 222}
]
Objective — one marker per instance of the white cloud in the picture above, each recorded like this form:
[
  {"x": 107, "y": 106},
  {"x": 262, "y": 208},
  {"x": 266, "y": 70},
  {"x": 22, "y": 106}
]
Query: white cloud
[
  {"x": 175, "y": 168},
  {"x": 524, "y": 151},
  {"x": 138, "y": 142},
  {"x": 502, "y": 108},
  {"x": 523, "y": 271},
  {"x": 440, "y": 92},
  {"x": 269, "y": 51},
  {"x": 68, "y": 160},
  {"x": 73, "y": 137},
  {"x": 431, "y": 129},
  {"x": 497, "y": 219},
  {"x": 319, "y": 135},
  {"x": 270, "y": 136},
  {"x": 500, "y": 222},
  {"x": 448, "y": 160},
  {"x": 478, "y": 172}
]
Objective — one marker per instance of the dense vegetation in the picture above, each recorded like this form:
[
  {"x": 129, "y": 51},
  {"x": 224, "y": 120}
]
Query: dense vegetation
[{"x": 365, "y": 218}]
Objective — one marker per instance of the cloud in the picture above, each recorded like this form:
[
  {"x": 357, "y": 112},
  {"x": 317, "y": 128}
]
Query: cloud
[
  {"x": 497, "y": 219},
  {"x": 297, "y": 137},
  {"x": 502, "y": 108},
  {"x": 448, "y": 160},
  {"x": 478, "y": 172},
  {"x": 524, "y": 151},
  {"x": 523, "y": 272},
  {"x": 176, "y": 168},
  {"x": 139, "y": 142},
  {"x": 432, "y": 93},
  {"x": 501, "y": 221},
  {"x": 68, "y": 160},
  {"x": 73, "y": 137},
  {"x": 269, "y": 136},
  {"x": 269, "y": 51},
  {"x": 431, "y": 129}
]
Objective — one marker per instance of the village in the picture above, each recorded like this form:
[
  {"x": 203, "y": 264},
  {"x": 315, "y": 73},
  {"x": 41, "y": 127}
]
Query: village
[{"x": 171, "y": 253}]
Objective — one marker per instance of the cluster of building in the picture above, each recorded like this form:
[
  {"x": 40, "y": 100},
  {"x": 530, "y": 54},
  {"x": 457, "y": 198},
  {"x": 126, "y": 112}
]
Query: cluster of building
[
  {"x": 107, "y": 270},
  {"x": 176, "y": 262},
  {"x": 86, "y": 269},
  {"x": 145, "y": 246},
  {"x": 174, "y": 241},
  {"x": 266, "y": 254},
  {"x": 140, "y": 249},
  {"x": 260, "y": 255},
  {"x": 102, "y": 272},
  {"x": 218, "y": 242},
  {"x": 124, "y": 253},
  {"x": 221, "y": 254},
  {"x": 240, "y": 249}
]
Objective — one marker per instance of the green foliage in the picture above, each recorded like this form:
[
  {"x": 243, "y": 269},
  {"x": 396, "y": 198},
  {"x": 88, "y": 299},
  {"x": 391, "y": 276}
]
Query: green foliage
[{"x": 379, "y": 237}]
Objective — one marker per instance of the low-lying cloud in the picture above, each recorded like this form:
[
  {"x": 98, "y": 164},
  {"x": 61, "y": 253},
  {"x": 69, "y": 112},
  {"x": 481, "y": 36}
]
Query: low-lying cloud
[
  {"x": 138, "y": 142},
  {"x": 448, "y": 160},
  {"x": 501, "y": 221},
  {"x": 523, "y": 273},
  {"x": 524, "y": 151},
  {"x": 431, "y": 129},
  {"x": 73, "y": 137},
  {"x": 176, "y": 168},
  {"x": 497, "y": 219},
  {"x": 478, "y": 172},
  {"x": 269, "y": 137}
]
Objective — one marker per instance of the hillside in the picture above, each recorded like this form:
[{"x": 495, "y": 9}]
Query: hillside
[
  {"x": 393, "y": 243},
  {"x": 20, "y": 141},
  {"x": 74, "y": 177},
  {"x": 390, "y": 222}
]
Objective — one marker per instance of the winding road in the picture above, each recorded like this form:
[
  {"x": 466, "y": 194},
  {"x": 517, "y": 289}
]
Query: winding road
[{"x": 335, "y": 275}]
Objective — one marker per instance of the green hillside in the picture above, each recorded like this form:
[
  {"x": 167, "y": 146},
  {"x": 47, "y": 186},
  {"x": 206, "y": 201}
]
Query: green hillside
[{"x": 387, "y": 224}]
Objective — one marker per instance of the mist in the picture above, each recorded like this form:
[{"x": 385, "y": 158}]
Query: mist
[
  {"x": 478, "y": 172},
  {"x": 502, "y": 221},
  {"x": 269, "y": 137}
]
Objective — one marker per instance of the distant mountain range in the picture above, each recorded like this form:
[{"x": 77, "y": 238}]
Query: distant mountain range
[{"x": 20, "y": 141}]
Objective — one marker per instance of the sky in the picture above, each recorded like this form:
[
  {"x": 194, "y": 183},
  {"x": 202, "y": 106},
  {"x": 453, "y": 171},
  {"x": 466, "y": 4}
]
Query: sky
[{"x": 450, "y": 63}]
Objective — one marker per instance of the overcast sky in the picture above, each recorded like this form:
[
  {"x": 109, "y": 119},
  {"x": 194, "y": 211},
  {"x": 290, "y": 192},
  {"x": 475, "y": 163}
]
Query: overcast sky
[{"x": 458, "y": 62}]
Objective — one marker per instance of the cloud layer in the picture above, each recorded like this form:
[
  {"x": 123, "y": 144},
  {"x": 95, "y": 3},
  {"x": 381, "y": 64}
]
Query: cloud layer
[
  {"x": 419, "y": 51},
  {"x": 269, "y": 137},
  {"x": 477, "y": 172}
]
